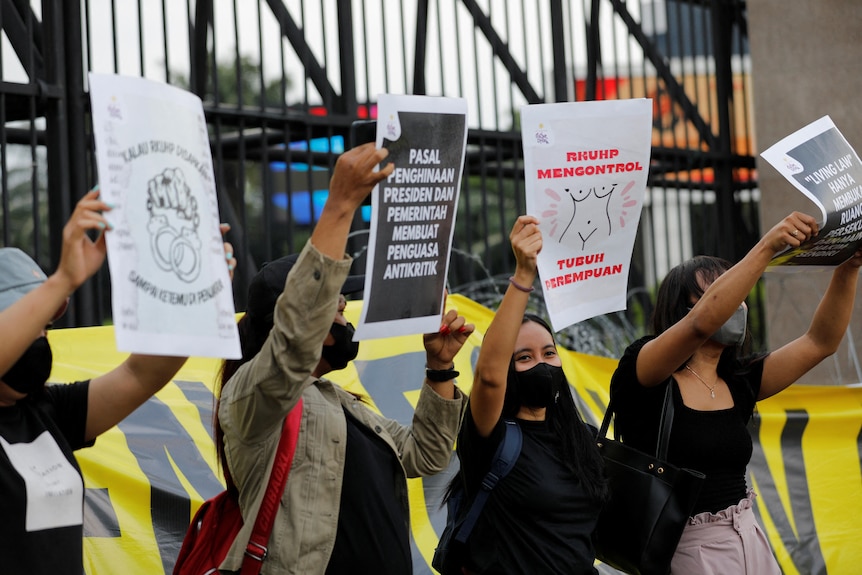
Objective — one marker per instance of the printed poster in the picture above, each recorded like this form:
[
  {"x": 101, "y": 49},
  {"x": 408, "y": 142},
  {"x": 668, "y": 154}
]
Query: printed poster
[
  {"x": 821, "y": 164},
  {"x": 413, "y": 214},
  {"x": 585, "y": 166},
  {"x": 171, "y": 291}
]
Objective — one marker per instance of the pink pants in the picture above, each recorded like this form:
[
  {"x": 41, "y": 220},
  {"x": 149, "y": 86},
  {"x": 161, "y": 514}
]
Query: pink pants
[{"x": 729, "y": 541}]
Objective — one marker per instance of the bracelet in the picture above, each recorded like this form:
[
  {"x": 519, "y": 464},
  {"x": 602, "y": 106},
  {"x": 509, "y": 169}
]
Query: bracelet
[
  {"x": 440, "y": 375},
  {"x": 524, "y": 289}
]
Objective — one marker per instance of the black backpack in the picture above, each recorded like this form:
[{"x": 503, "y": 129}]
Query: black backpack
[{"x": 450, "y": 554}]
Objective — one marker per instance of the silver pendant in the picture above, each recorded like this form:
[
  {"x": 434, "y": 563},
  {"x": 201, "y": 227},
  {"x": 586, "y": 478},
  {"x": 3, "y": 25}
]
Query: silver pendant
[{"x": 712, "y": 394}]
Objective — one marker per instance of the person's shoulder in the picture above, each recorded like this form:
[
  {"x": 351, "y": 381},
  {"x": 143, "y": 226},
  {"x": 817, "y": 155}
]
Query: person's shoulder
[
  {"x": 635, "y": 346},
  {"x": 631, "y": 352},
  {"x": 58, "y": 392}
]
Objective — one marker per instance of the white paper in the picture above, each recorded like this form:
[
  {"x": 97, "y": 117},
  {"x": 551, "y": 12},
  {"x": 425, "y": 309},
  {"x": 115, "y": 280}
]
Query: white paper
[
  {"x": 413, "y": 214},
  {"x": 821, "y": 164},
  {"x": 171, "y": 291},
  {"x": 55, "y": 489},
  {"x": 585, "y": 166}
]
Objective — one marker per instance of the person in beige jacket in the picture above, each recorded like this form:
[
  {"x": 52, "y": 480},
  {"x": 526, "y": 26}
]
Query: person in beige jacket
[{"x": 345, "y": 506}]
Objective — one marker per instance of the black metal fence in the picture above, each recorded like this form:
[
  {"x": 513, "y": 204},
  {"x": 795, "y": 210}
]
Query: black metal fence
[{"x": 281, "y": 81}]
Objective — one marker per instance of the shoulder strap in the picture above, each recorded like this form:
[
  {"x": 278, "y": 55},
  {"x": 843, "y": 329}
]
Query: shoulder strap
[
  {"x": 664, "y": 426},
  {"x": 256, "y": 550},
  {"x": 665, "y": 423},
  {"x": 504, "y": 460}
]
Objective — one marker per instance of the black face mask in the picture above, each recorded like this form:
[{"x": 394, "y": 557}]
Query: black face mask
[
  {"x": 32, "y": 369},
  {"x": 344, "y": 350},
  {"x": 539, "y": 386}
]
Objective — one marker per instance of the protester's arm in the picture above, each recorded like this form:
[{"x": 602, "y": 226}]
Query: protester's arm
[
  {"x": 661, "y": 356},
  {"x": 790, "y": 362},
  {"x": 492, "y": 365},
  {"x": 116, "y": 394},
  {"x": 442, "y": 346},
  {"x": 23, "y": 322},
  {"x": 267, "y": 386},
  {"x": 351, "y": 183}
]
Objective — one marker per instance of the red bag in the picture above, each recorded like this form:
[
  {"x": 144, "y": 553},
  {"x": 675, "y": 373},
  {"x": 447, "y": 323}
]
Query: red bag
[
  {"x": 219, "y": 520},
  {"x": 210, "y": 535}
]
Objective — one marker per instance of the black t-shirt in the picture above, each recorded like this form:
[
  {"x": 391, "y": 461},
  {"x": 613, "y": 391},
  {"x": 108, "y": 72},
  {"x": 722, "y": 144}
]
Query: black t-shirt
[
  {"x": 373, "y": 530},
  {"x": 538, "y": 519},
  {"x": 716, "y": 443},
  {"x": 41, "y": 488}
]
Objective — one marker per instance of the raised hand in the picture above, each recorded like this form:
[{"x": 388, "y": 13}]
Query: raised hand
[
  {"x": 442, "y": 346},
  {"x": 792, "y": 231},
  {"x": 354, "y": 176},
  {"x": 352, "y": 180},
  {"x": 81, "y": 257},
  {"x": 526, "y": 240}
]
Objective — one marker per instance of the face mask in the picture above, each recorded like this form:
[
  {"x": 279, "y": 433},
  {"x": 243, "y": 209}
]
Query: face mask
[
  {"x": 32, "y": 369},
  {"x": 733, "y": 330},
  {"x": 344, "y": 350},
  {"x": 539, "y": 386}
]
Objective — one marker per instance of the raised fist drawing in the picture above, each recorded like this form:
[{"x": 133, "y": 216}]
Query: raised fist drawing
[{"x": 173, "y": 224}]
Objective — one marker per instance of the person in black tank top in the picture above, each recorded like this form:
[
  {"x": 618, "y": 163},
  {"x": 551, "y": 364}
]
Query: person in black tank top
[
  {"x": 700, "y": 346},
  {"x": 540, "y": 517}
]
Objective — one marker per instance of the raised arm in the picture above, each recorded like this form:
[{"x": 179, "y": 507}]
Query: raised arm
[
  {"x": 661, "y": 356},
  {"x": 791, "y": 361},
  {"x": 24, "y": 321},
  {"x": 351, "y": 183},
  {"x": 492, "y": 365}
]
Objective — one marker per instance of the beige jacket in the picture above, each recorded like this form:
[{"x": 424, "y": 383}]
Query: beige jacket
[{"x": 257, "y": 398}]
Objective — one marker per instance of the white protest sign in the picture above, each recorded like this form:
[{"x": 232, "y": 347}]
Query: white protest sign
[
  {"x": 171, "y": 291},
  {"x": 585, "y": 166},
  {"x": 413, "y": 214},
  {"x": 821, "y": 164}
]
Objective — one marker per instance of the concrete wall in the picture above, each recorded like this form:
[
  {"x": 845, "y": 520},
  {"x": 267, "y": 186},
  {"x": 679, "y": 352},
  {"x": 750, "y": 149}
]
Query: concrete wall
[{"x": 806, "y": 63}]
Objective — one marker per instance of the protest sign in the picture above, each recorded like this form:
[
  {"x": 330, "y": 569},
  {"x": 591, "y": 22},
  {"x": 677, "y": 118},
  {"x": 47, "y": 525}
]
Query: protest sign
[
  {"x": 413, "y": 214},
  {"x": 820, "y": 163},
  {"x": 171, "y": 291},
  {"x": 585, "y": 166}
]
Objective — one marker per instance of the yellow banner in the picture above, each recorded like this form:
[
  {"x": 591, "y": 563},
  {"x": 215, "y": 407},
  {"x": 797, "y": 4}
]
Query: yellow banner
[{"x": 146, "y": 477}]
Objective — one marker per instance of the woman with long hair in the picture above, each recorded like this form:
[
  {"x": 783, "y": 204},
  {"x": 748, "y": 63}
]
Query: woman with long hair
[
  {"x": 699, "y": 346},
  {"x": 540, "y": 517}
]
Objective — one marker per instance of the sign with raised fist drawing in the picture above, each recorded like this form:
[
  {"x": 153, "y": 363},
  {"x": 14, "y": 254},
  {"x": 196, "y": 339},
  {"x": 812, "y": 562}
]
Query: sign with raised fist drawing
[{"x": 170, "y": 287}]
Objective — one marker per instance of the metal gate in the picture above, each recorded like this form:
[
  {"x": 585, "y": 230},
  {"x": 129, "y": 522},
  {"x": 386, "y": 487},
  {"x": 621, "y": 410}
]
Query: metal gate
[{"x": 282, "y": 80}]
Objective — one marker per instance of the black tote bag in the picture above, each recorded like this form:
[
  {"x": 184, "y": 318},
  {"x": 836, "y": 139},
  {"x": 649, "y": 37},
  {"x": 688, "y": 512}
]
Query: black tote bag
[{"x": 651, "y": 500}]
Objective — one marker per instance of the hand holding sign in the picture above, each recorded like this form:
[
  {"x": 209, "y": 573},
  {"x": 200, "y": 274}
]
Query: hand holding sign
[
  {"x": 792, "y": 231},
  {"x": 354, "y": 180},
  {"x": 442, "y": 346},
  {"x": 81, "y": 257},
  {"x": 526, "y": 240}
]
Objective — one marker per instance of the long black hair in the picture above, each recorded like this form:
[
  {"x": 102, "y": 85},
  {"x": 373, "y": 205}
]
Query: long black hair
[
  {"x": 680, "y": 286},
  {"x": 579, "y": 451},
  {"x": 252, "y": 338}
]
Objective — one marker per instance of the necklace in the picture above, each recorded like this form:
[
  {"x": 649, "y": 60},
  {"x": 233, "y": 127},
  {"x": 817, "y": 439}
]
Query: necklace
[{"x": 711, "y": 389}]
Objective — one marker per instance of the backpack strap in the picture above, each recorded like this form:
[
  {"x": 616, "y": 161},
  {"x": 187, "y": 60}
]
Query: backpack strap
[
  {"x": 504, "y": 460},
  {"x": 256, "y": 550}
]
